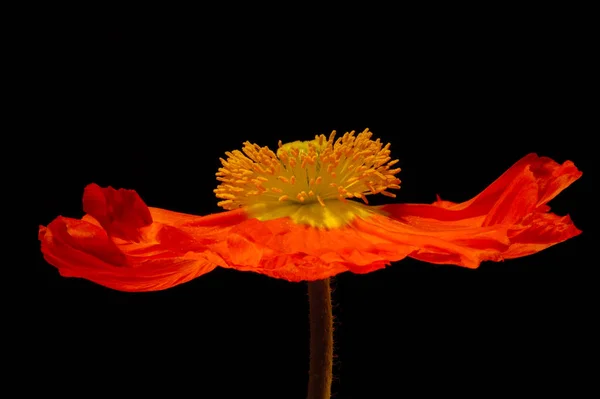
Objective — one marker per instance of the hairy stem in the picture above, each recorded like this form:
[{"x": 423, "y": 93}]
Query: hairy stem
[{"x": 321, "y": 340}]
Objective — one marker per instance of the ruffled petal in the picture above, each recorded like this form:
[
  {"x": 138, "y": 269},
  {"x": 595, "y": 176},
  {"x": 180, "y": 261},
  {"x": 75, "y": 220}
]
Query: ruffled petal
[
  {"x": 129, "y": 247},
  {"x": 512, "y": 212},
  {"x": 283, "y": 249},
  {"x": 543, "y": 230},
  {"x": 120, "y": 212}
]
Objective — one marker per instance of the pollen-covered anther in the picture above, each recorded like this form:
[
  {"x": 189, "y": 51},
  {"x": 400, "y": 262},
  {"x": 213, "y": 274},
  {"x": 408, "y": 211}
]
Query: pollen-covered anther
[
  {"x": 320, "y": 200},
  {"x": 342, "y": 191},
  {"x": 226, "y": 196},
  {"x": 305, "y": 160}
]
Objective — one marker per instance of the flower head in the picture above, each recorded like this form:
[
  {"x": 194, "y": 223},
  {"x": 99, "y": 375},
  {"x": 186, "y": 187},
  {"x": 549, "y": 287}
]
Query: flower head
[{"x": 302, "y": 214}]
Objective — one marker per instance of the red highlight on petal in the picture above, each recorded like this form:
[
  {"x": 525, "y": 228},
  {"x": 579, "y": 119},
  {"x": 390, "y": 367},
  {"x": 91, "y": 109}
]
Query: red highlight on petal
[{"x": 121, "y": 212}]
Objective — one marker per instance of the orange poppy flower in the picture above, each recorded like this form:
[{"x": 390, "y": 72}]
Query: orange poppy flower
[{"x": 291, "y": 215}]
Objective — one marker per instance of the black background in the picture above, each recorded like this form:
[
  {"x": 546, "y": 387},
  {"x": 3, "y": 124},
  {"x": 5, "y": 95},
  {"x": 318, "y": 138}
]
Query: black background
[{"x": 152, "y": 105}]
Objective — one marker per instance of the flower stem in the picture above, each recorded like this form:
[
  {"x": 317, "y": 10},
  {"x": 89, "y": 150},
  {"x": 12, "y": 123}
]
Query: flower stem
[{"x": 321, "y": 340}]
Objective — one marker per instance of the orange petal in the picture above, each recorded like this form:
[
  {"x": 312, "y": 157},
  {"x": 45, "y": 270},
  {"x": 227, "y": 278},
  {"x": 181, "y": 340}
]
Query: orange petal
[
  {"x": 81, "y": 249},
  {"x": 121, "y": 248},
  {"x": 282, "y": 249},
  {"x": 543, "y": 231},
  {"x": 512, "y": 214}
]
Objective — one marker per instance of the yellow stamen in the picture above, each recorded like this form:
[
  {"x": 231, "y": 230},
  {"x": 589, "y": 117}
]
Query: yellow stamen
[
  {"x": 322, "y": 171},
  {"x": 320, "y": 200}
]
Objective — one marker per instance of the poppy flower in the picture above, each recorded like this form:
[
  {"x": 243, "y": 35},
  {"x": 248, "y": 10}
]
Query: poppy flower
[{"x": 293, "y": 214}]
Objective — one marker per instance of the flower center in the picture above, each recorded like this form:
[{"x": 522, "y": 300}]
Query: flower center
[{"x": 308, "y": 181}]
